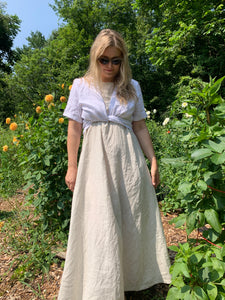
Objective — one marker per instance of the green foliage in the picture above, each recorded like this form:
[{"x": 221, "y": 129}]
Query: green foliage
[
  {"x": 33, "y": 248},
  {"x": 9, "y": 27},
  {"x": 43, "y": 154},
  {"x": 198, "y": 272},
  {"x": 10, "y": 176}
]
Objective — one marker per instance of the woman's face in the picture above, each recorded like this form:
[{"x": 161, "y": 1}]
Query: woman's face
[{"x": 109, "y": 64}]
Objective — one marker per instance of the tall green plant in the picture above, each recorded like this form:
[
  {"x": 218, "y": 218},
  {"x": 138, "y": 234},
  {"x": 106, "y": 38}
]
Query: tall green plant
[{"x": 202, "y": 189}]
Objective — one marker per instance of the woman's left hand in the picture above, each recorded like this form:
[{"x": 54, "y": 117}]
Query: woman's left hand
[{"x": 154, "y": 173}]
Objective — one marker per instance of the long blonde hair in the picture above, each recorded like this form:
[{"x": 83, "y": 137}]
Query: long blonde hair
[{"x": 110, "y": 38}]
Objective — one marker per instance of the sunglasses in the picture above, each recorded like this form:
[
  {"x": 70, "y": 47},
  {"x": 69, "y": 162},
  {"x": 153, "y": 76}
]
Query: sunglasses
[{"x": 114, "y": 61}]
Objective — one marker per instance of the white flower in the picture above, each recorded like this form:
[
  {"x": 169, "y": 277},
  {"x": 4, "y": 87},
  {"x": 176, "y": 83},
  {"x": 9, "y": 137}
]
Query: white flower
[
  {"x": 154, "y": 111},
  {"x": 166, "y": 121},
  {"x": 148, "y": 113},
  {"x": 184, "y": 104},
  {"x": 188, "y": 116}
]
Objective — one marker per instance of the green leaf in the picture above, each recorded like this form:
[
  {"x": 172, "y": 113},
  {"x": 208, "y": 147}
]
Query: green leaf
[
  {"x": 211, "y": 234},
  {"x": 178, "y": 221},
  {"x": 216, "y": 86},
  {"x": 185, "y": 188},
  {"x": 180, "y": 268},
  {"x": 191, "y": 222},
  {"x": 176, "y": 162},
  {"x": 174, "y": 248},
  {"x": 202, "y": 185},
  {"x": 213, "y": 219},
  {"x": 173, "y": 294},
  {"x": 218, "y": 159},
  {"x": 211, "y": 291},
  {"x": 217, "y": 147},
  {"x": 201, "y": 153},
  {"x": 199, "y": 293}
]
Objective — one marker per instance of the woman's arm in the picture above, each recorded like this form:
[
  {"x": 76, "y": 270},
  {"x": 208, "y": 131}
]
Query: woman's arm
[
  {"x": 73, "y": 142},
  {"x": 141, "y": 131}
]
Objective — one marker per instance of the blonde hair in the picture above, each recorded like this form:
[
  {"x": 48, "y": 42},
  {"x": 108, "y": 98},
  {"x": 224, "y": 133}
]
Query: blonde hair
[{"x": 110, "y": 38}]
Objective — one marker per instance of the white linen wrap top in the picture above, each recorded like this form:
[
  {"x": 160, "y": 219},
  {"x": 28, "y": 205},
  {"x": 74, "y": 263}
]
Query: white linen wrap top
[{"x": 86, "y": 105}]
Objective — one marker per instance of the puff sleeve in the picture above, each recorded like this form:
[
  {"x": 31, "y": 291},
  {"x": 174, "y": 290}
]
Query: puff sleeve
[
  {"x": 73, "y": 108},
  {"x": 139, "y": 112}
]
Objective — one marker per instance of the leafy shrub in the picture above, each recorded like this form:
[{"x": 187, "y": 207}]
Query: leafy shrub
[{"x": 202, "y": 190}]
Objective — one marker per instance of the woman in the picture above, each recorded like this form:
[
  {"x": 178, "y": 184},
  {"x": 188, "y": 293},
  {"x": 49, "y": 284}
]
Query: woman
[{"x": 116, "y": 241}]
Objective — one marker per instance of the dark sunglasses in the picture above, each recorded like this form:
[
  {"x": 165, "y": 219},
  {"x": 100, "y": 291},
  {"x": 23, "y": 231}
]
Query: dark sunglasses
[{"x": 114, "y": 61}]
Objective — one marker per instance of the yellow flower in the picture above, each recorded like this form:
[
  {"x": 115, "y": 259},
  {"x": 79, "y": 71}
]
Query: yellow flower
[
  {"x": 8, "y": 121},
  {"x": 63, "y": 85},
  {"x": 15, "y": 141},
  {"x": 49, "y": 98},
  {"x": 63, "y": 99},
  {"x": 5, "y": 148},
  {"x": 51, "y": 105},
  {"x": 38, "y": 109},
  {"x": 61, "y": 120},
  {"x": 14, "y": 116},
  {"x": 1, "y": 224},
  {"x": 13, "y": 126},
  {"x": 27, "y": 126},
  {"x": 70, "y": 87}
]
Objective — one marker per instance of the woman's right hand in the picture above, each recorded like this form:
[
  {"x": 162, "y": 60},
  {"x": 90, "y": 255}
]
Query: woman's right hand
[{"x": 70, "y": 178}]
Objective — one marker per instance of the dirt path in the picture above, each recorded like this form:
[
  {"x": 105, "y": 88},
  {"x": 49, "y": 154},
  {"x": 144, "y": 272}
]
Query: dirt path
[{"x": 47, "y": 288}]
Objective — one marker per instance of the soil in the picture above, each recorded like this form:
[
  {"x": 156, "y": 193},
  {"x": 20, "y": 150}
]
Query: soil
[{"x": 47, "y": 288}]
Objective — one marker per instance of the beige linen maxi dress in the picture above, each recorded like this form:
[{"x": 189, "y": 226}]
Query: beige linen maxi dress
[{"x": 116, "y": 241}]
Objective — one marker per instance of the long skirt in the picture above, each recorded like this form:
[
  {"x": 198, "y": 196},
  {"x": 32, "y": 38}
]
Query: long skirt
[{"x": 116, "y": 241}]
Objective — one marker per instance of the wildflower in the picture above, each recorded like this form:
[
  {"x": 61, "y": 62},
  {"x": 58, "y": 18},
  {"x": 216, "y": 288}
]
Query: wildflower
[
  {"x": 168, "y": 131},
  {"x": 63, "y": 85},
  {"x": 38, "y": 109},
  {"x": 148, "y": 114},
  {"x": 8, "y": 121},
  {"x": 49, "y": 98},
  {"x": 166, "y": 121},
  {"x": 51, "y": 105},
  {"x": 5, "y": 148},
  {"x": 188, "y": 116},
  {"x": 27, "y": 126},
  {"x": 61, "y": 120},
  {"x": 70, "y": 87},
  {"x": 63, "y": 99},
  {"x": 1, "y": 224},
  {"x": 13, "y": 126},
  {"x": 184, "y": 104},
  {"x": 154, "y": 111},
  {"x": 15, "y": 141}
]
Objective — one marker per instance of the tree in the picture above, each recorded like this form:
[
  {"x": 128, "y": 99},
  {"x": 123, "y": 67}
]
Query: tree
[
  {"x": 9, "y": 27},
  {"x": 186, "y": 38}
]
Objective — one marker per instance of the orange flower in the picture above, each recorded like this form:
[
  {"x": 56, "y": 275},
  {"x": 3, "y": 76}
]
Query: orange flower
[
  {"x": 8, "y": 121},
  {"x": 51, "y": 105},
  {"x": 5, "y": 148},
  {"x": 70, "y": 87},
  {"x": 13, "y": 126},
  {"x": 63, "y": 99},
  {"x": 61, "y": 120},
  {"x": 15, "y": 141},
  {"x": 63, "y": 85},
  {"x": 27, "y": 126},
  {"x": 38, "y": 109},
  {"x": 49, "y": 98}
]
